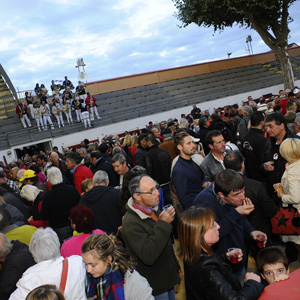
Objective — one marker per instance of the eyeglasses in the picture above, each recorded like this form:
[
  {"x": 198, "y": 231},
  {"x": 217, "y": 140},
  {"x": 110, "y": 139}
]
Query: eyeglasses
[
  {"x": 214, "y": 226},
  {"x": 152, "y": 191}
]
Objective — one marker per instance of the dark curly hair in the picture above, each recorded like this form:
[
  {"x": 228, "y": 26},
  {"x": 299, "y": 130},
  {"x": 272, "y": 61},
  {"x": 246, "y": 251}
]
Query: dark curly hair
[{"x": 83, "y": 218}]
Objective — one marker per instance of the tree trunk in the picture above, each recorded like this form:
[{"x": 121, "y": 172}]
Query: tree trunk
[{"x": 286, "y": 66}]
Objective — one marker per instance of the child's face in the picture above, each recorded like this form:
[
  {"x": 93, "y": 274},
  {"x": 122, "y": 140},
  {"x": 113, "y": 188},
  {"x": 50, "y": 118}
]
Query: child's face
[{"x": 275, "y": 272}]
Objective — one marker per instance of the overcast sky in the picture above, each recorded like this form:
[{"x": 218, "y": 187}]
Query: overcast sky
[{"x": 41, "y": 40}]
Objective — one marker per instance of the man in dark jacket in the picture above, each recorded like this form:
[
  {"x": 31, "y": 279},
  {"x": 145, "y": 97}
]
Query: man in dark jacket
[
  {"x": 15, "y": 259},
  {"x": 58, "y": 203},
  {"x": 105, "y": 202},
  {"x": 140, "y": 153},
  {"x": 195, "y": 112},
  {"x": 226, "y": 197},
  {"x": 158, "y": 166},
  {"x": 99, "y": 163},
  {"x": 265, "y": 208},
  {"x": 254, "y": 147},
  {"x": 274, "y": 164},
  {"x": 187, "y": 177},
  {"x": 203, "y": 131}
]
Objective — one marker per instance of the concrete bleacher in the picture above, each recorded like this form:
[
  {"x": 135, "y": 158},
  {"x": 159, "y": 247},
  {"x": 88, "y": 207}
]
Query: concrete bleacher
[{"x": 147, "y": 99}]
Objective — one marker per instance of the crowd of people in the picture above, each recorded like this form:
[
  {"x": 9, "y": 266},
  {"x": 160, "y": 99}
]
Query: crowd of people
[
  {"x": 99, "y": 221},
  {"x": 63, "y": 104}
]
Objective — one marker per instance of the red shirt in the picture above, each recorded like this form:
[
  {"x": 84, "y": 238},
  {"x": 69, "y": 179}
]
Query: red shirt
[
  {"x": 283, "y": 105},
  {"x": 81, "y": 173}
]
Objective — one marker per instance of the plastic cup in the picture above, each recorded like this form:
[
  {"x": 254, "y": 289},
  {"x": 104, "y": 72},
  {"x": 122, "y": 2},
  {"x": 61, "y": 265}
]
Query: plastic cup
[
  {"x": 233, "y": 254},
  {"x": 260, "y": 238},
  {"x": 166, "y": 207}
]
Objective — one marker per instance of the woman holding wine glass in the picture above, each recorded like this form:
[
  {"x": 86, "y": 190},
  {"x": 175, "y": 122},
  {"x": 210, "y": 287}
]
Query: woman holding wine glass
[{"x": 207, "y": 275}]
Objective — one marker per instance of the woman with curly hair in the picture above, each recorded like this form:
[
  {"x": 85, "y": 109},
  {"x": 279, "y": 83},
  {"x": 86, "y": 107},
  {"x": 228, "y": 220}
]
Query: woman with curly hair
[{"x": 110, "y": 271}]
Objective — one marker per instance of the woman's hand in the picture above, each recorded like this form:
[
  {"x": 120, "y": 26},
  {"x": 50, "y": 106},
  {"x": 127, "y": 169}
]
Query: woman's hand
[{"x": 278, "y": 189}]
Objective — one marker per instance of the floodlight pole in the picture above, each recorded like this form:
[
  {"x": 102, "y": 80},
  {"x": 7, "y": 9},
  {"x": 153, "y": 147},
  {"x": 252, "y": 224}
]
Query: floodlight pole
[
  {"x": 80, "y": 63},
  {"x": 249, "y": 45}
]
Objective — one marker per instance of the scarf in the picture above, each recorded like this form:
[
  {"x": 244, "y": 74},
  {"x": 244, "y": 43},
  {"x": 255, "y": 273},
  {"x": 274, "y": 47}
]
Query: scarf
[{"x": 110, "y": 286}]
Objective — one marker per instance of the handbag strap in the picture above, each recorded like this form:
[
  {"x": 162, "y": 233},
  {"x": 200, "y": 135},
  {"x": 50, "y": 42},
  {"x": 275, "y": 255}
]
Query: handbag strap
[{"x": 64, "y": 275}]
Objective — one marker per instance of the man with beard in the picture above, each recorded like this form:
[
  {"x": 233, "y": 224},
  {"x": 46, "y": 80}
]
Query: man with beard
[{"x": 187, "y": 177}]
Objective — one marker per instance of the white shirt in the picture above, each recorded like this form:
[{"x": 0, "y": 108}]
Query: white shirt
[{"x": 49, "y": 272}]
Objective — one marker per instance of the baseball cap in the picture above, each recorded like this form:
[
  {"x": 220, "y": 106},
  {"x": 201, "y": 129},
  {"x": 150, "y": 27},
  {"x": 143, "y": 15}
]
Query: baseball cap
[{"x": 27, "y": 174}]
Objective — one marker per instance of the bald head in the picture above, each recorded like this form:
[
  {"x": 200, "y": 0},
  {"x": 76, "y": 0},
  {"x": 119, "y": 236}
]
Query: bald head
[
  {"x": 155, "y": 131},
  {"x": 54, "y": 158},
  {"x": 13, "y": 173}
]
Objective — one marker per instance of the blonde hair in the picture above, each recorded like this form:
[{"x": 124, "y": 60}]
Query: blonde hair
[
  {"x": 193, "y": 224},
  {"x": 127, "y": 140},
  {"x": 87, "y": 184},
  {"x": 134, "y": 140},
  {"x": 104, "y": 246},
  {"x": 290, "y": 149}
]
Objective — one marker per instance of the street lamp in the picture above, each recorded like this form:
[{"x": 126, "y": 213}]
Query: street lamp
[{"x": 249, "y": 45}]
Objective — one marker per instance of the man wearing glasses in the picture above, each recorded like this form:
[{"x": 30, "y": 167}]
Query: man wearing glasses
[{"x": 147, "y": 235}]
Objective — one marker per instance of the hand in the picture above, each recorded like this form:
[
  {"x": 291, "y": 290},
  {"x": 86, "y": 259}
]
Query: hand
[
  {"x": 268, "y": 166},
  {"x": 119, "y": 230},
  {"x": 252, "y": 276},
  {"x": 206, "y": 184},
  {"x": 255, "y": 233},
  {"x": 246, "y": 208},
  {"x": 30, "y": 219},
  {"x": 168, "y": 215},
  {"x": 180, "y": 273},
  {"x": 278, "y": 189},
  {"x": 238, "y": 253}
]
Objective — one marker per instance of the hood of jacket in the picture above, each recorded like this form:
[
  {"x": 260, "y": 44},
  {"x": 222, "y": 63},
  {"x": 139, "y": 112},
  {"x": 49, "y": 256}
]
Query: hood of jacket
[{"x": 95, "y": 193}]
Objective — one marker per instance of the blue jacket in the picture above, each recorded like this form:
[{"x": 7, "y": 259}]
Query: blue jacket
[
  {"x": 187, "y": 179},
  {"x": 234, "y": 228}
]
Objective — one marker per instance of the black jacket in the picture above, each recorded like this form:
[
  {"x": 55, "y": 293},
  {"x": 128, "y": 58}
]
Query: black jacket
[
  {"x": 211, "y": 278},
  {"x": 12, "y": 199},
  {"x": 15, "y": 264},
  {"x": 254, "y": 147},
  {"x": 158, "y": 164},
  {"x": 265, "y": 208},
  {"x": 106, "y": 166},
  {"x": 139, "y": 156},
  {"x": 106, "y": 205},
  {"x": 58, "y": 203},
  {"x": 202, "y": 135}
]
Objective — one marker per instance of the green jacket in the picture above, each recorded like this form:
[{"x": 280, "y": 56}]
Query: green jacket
[{"x": 150, "y": 244}]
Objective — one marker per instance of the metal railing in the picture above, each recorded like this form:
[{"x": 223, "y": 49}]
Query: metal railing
[{"x": 8, "y": 83}]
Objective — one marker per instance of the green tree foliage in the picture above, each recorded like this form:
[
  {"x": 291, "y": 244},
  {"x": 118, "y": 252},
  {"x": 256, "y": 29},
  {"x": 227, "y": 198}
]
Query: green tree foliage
[{"x": 270, "y": 18}]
